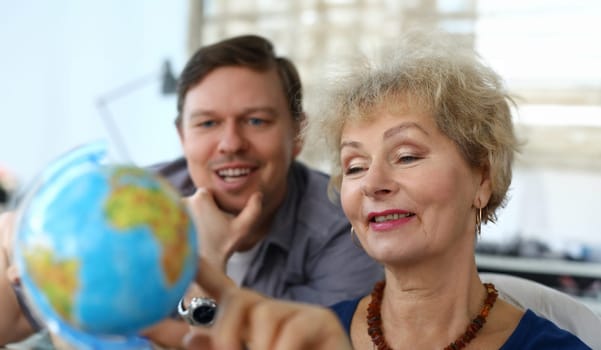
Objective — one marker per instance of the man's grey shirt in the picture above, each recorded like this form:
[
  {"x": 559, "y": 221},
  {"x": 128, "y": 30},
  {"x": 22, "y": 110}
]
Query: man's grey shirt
[{"x": 308, "y": 254}]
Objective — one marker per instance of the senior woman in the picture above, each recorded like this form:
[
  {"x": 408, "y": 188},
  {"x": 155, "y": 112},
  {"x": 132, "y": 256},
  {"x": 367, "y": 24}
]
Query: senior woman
[{"x": 424, "y": 145}]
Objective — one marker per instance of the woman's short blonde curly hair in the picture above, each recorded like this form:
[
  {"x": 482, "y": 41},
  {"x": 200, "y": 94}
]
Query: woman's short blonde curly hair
[{"x": 435, "y": 74}]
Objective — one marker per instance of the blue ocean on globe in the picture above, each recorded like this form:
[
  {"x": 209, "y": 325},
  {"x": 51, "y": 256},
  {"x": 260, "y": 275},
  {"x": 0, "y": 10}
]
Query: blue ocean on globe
[{"x": 103, "y": 250}]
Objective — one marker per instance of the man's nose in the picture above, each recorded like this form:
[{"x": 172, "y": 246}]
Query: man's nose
[{"x": 232, "y": 139}]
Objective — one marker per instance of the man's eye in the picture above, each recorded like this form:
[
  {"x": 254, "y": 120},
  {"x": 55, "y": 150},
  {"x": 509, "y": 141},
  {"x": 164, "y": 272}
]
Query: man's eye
[
  {"x": 206, "y": 124},
  {"x": 256, "y": 121}
]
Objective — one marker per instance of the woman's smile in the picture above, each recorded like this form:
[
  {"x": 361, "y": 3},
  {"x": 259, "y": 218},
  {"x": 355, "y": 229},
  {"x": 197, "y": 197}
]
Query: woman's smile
[{"x": 389, "y": 219}]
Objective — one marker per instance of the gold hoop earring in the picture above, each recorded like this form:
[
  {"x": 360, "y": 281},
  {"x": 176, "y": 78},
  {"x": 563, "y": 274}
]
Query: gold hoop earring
[
  {"x": 355, "y": 239},
  {"x": 479, "y": 222}
]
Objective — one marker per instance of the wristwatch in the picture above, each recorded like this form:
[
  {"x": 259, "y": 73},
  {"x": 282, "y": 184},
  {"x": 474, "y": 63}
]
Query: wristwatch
[{"x": 200, "y": 312}]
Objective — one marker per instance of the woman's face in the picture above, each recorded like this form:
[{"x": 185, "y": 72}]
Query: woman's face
[{"x": 406, "y": 189}]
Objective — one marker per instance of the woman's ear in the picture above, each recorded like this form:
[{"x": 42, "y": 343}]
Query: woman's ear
[{"x": 484, "y": 191}]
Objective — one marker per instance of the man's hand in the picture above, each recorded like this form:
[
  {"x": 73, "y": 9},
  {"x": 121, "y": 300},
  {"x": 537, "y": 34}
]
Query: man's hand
[{"x": 221, "y": 234}]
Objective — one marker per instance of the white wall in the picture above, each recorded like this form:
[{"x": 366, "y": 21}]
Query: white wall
[{"x": 58, "y": 57}]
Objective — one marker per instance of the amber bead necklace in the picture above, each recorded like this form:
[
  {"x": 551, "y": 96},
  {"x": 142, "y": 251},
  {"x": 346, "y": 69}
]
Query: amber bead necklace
[{"x": 374, "y": 319}]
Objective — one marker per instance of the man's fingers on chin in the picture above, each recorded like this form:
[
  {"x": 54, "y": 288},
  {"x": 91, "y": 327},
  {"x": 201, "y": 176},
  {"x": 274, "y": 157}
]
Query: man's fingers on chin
[
  {"x": 203, "y": 192},
  {"x": 257, "y": 198},
  {"x": 252, "y": 210}
]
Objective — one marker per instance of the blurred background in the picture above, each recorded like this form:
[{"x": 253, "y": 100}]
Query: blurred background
[{"x": 74, "y": 72}]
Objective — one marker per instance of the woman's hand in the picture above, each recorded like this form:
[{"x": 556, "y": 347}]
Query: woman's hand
[
  {"x": 7, "y": 237},
  {"x": 7, "y": 220},
  {"x": 13, "y": 324},
  {"x": 246, "y": 319}
]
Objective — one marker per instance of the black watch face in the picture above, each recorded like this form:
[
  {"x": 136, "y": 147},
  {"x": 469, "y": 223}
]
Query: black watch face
[{"x": 204, "y": 314}]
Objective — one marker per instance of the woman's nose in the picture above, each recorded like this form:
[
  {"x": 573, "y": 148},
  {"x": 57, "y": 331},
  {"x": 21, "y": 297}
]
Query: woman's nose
[{"x": 379, "y": 181}]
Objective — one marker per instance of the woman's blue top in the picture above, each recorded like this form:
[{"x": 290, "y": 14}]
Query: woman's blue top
[{"x": 532, "y": 333}]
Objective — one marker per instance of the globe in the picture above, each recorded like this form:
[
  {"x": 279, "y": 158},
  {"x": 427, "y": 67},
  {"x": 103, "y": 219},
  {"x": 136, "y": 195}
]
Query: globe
[{"x": 104, "y": 250}]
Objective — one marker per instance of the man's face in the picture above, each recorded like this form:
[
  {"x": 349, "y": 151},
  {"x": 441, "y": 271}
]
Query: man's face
[{"x": 239, "y": 137}]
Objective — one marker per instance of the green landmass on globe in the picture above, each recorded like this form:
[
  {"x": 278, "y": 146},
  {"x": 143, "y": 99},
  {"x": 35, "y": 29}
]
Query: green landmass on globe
[
  {"x": 130, "y": 205},
  {"x": 56, "y": 278}
]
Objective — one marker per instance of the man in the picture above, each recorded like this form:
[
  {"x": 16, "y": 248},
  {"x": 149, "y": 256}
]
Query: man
[{"x": 262, "y": 216}]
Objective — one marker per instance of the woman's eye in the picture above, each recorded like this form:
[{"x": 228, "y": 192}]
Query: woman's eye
[
  {"x": 352, "y": 170},
  {"x": 406, "y": 159}
]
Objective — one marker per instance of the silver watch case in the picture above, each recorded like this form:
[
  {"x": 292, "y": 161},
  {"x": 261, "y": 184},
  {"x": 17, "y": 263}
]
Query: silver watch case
[{"x": 200, "y": 312}]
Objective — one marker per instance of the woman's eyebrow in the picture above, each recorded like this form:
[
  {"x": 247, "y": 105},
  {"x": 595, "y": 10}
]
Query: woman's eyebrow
[{"x": 402, "y": 127}]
